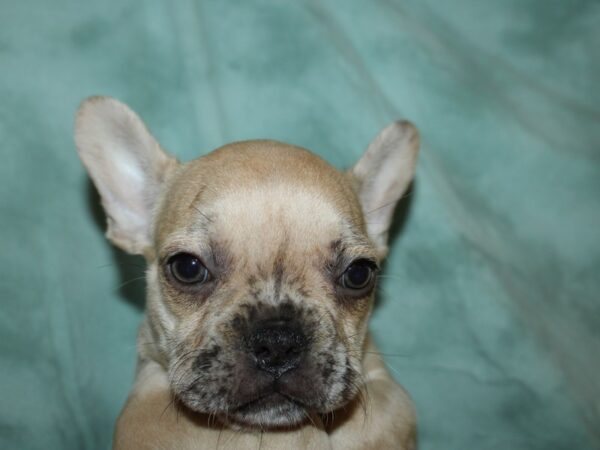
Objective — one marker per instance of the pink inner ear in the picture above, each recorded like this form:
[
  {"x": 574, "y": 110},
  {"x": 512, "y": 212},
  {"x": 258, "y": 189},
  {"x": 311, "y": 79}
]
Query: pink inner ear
[
  {"x": 127, "y": 166},
  {"x": 386, "y": 170}
]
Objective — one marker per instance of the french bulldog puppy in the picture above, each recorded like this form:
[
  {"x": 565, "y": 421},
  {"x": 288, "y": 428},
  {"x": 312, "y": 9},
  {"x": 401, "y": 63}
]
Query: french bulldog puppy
[{"x": 262, "y": 266}]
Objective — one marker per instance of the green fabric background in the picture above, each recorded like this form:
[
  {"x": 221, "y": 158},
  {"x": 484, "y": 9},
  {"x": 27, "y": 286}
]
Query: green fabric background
[{"x": 489, "y": 310}]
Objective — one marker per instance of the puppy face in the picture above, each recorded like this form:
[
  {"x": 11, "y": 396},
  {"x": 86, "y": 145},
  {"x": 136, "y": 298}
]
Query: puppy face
[
  {"x": 262, "y": 266},
  {"x": 267, "y": 274}
]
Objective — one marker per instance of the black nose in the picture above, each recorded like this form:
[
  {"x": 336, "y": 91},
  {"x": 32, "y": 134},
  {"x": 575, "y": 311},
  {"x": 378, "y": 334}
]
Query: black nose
[{"x": 277, "y": 348}]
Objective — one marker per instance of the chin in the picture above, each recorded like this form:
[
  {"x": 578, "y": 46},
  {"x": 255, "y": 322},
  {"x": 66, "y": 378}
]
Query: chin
[{"x": 270, "y": 411}]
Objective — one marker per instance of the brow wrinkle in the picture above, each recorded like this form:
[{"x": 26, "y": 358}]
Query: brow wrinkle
[
  {"x": 278, "y": 270},
  {"x": 196, "y": 198}
]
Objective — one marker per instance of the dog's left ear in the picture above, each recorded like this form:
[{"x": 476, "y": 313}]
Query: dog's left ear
[{"x": 384, "y": 173}]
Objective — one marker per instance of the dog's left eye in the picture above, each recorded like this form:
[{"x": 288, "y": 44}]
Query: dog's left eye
[
  {"x": 359, "y": 274},
  {"x": 188, "y": 269}
]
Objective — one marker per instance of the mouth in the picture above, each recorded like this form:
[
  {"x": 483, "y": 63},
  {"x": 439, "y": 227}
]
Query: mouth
[{"x": 272, "y": 409}]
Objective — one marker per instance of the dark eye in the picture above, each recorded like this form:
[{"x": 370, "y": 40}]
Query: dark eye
[
  {"x": 188, "y": 269},
  {"x": 359, "y": 274}
]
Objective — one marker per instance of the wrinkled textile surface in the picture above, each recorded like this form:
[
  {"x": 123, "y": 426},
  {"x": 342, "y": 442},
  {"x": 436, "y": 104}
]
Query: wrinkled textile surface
[{"x": 488, "y": 312}]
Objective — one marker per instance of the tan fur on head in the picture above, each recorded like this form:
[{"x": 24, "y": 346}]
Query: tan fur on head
[{"x": 274, "y": 333}]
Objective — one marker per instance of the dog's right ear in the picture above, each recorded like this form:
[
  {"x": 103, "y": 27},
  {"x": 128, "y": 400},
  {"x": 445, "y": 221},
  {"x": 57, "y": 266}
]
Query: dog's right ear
[{"x": 126, "y": 164}]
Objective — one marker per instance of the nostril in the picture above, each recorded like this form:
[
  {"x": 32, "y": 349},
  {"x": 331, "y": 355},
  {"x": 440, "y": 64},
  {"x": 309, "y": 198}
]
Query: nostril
[
  {"x": 291, "y": 351},
  {"x": 262, "y": 352}
]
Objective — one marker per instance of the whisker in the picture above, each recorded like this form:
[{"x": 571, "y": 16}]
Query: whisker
[
  {"x": 129, "y": 282},
  {"x": 377, "y": 353},
  {"x": 392, "y": 276},
  {"x": 169, "y": 404},
  {"x": 364, "y": 398},
  {"x": 310, "y": 418},
  {"x": 218, "y": 437},
  {"x": 181, "y": 360},
  {"x": 120, "y": 264},
  {"x": 408, "y": 194}
]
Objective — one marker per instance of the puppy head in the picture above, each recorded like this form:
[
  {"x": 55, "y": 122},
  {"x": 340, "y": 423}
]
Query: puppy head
[{"x": 262, "y": 260}]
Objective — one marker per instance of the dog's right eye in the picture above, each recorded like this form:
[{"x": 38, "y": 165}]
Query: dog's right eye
[{"x": 188, "y": 269}]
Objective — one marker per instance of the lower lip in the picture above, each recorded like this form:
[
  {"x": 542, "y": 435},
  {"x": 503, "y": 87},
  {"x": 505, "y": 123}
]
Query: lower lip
[
  {"x": 271, "y": 401},
  {"x": 268, "y": 401}
]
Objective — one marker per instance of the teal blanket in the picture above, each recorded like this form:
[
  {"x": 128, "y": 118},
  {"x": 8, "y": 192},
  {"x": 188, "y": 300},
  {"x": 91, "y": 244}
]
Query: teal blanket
[{"x": 489, "y": 309}]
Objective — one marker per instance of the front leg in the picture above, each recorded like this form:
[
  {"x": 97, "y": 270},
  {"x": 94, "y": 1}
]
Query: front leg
[
  {"x": 151, "y": 421},
  {"x": 381, "y": 418}
]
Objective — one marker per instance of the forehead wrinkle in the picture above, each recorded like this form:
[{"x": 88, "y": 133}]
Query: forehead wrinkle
[
  {"x": 196, "y": 207},
  {"x": 194, "y": 236},
  {"x": 261, "y": 218},
  {"x": 196, "y": 199},
  {"x": 357, "y": 244},
  {"x": 238, "y": 168}
]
